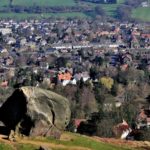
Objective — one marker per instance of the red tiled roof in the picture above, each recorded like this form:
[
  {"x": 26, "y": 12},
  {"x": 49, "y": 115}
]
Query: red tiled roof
[
  {"x": 4, "y": 84},
  {"x": 148, "y": 119},
  {"x": 65, "y": 76},
  {"x": 145, "y": 35},
  {"x": 77, "y": 122},
  {"x": 123, "y": 127}
]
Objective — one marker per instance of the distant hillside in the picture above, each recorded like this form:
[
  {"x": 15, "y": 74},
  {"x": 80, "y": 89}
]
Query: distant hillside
[
  {"x": 73, "y": 8},
  {"x": 6, "y": 7},
  {"x": 44, "y": 2},
  {"x": 142, "y": 13},
  {"x": 37, "y": 2}
]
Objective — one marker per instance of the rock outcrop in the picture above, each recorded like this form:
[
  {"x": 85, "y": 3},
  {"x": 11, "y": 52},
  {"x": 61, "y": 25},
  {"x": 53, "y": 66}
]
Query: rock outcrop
[{"x": 32, "y": 111}]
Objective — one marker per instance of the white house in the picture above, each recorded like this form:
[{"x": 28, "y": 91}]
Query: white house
[{"x": 5, "y": 31}]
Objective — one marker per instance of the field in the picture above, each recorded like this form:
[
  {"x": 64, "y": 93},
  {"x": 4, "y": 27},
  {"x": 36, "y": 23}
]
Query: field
[
  {"x": 39, "y": 16},
  {"x": 68, "y": 141},
  {"x": 142, "y": 14},
  {"x": 44, "y": 2},
  {"x": 4, "y": 3},
  {"x": 110, "y": 8},
  {"x": 139, "y": 13}
]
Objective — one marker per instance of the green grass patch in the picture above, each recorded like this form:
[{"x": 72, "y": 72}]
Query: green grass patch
[
  {"x": 82, "y": 141},
  {"x": 4, "y": 3},
  {"x": 120, "y": 1},
  {"x": 60, "y": 149},
  {"x": 44, "y": 2},
  {"x": 4, "y": 147},
  {"x": 20, "y": 16},
  {"x": 26, "y": 147},
  {"x": 141, "y": 13},
  {"x": 110, "y": 9}
]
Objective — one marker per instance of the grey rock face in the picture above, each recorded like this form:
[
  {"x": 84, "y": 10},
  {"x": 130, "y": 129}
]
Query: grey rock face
[{"x": 33, "y": 111}]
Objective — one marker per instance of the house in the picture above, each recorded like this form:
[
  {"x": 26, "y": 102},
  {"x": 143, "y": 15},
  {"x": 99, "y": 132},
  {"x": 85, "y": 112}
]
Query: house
[
  {"x": 145, "y": 35},
  {"x": 113, "y": 45},
  {"x": 4, "y": 50},
  {"x": 145, "y": 4},
  {"x": 122, "y": 130},
  {"x": 63, "y": 46},
  {"x": 84, "y": 75},
  {"x": 77, "y": 122},
  {"x": 5, "y": 31},
  {"x": 143, "y": 119},
  {"x": 65, "y": 77},
  {"x": 9, "y": 61},
  {"x": 104, "y": 33},
  {"x": 23, "y": 41},
  {"x": 4, "y": 84},
  {"x": 136, "y": 33},
  {"x": 124, "y": 67},
  {"x": 134, "y": 42},
  {"x": 11, "y": 41},
  {"x": 127, "y": 59}
]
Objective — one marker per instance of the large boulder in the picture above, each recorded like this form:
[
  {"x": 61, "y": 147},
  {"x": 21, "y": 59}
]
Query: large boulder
[{"x": 32, "y": 111}]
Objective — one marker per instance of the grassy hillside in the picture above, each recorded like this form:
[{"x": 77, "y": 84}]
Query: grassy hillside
[
  {"x": 4, "y": 3},
  {"x": 44, "y": 2},
  {"x": 110, "y": 9},
  {"x": 39, "y": 16},
  {"x": 68, "y": 141},
  {"x": 141, "y": 13},
  {"x": 38, "y": 3}
]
